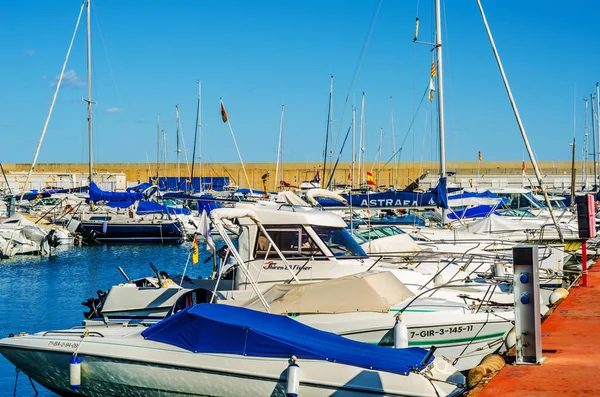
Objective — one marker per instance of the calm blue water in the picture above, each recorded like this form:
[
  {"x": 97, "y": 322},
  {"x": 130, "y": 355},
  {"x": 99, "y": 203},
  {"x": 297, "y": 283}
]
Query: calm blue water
[{"x": 39, "y": 294}]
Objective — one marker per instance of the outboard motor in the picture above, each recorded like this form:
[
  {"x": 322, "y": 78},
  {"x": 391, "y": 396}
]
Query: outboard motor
[
  {"x": 52, "y": 238},
  {"x": 94, "y": 304}
]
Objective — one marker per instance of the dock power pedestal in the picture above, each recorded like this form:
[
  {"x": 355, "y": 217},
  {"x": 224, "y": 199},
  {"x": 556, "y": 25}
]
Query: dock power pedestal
[{"x": 526, "y": 289}]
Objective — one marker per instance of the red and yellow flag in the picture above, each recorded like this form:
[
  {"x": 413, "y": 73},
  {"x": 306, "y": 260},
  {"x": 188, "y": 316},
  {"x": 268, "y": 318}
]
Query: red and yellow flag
[
  {"x": 223, "y": 113},
  {"x": 524, "y": 167},
  {"x": 195, "y": 251},
  {"x": 433, "y": 71},
  {"x": 370, "y": 180}
]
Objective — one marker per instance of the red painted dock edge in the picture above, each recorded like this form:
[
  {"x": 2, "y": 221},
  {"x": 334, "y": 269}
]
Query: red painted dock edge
[{"x": 570, "y": 343}]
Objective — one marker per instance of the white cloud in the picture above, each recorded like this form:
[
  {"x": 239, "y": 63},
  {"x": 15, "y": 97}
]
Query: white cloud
[
  {"x": 30, "y": 52},
  {"x": 70, "y": 79},
  {"x": 114, "y": 110}
]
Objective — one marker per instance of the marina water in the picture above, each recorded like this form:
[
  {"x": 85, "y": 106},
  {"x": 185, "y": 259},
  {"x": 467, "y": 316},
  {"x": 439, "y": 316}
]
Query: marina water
[{"x": 41, "y": 293}]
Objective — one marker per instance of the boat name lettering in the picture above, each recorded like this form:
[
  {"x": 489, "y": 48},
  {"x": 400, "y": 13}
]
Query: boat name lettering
[
  {"x": 273, "y": 266},
  {"x": 441, "y": 331},
  {"x": 392, "y": 203},
  {"x": 58, "y": 343}
]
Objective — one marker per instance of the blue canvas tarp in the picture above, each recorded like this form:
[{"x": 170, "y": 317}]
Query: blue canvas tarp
[
  {"x": 215, "y": 328},
  {"x": 437, "y": 197},
  {"x": 97, "y": 194}
]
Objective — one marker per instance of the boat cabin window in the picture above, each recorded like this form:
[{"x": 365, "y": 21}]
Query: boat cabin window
[
  {"x": 339, "y": 241},
  {"x": 292, "y": 242},
  {"x": 100, "y": 218}
]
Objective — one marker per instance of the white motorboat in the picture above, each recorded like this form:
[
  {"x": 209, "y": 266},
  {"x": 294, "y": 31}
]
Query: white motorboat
[
  {"x": 20, "y": 236},
  {"x": 365, "y": 307},
  {"x": 220, "y": 350}
]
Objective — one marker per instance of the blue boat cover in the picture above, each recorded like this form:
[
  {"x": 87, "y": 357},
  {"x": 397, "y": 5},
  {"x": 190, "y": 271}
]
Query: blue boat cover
[
  {"x": 97, "y": 194},
  {"x": 217, "y": 328},
  {"x": 437, "y": 197}
]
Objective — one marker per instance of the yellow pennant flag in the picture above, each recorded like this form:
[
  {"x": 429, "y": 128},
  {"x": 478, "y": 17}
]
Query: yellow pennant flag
[{"x": 195, "y": 251}]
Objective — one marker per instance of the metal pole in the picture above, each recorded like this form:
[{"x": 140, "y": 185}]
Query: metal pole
[
  {"x": 5, "y": 179},
  {"x": 519, "y": 122},
  {"x": 573, "y": 176},
  {"x": 597, "y": 147},
  {"x": 440, "y": 92},
  {"x": 89, "y": 84},
  {"x": 594, "y": 186},
  {"x": 195, "y": 140},
  {"x": 586, "y": 153},
  {"x": 352, "y": 172},
  {"x": 393, "y": 132},
  {"x": 584, "y": 262},
  {"x": 177, "y": 146},
  {"x": 157, "y": 149},
  {"x": 361, "y": 156}
]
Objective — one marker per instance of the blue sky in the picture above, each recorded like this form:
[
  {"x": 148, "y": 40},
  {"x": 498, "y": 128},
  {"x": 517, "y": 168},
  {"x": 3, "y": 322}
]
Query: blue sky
[{"x": 256, "y": 55}]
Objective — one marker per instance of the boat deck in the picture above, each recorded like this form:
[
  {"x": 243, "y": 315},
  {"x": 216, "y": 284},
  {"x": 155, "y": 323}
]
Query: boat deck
[{"x": 570, "y": 345}]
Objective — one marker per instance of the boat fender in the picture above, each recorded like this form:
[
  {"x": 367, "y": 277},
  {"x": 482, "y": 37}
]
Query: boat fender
[
  {"x": 293, "y": 378},
  {"x": 490, "y": 364},
  {"x": 499, "y": 270},
  {"x": 75, "y": 373},
  {"x": 104, "y": 227},
  {"x": 400, "y": 333},
  {"x": 557, "y": 295},
  {"x": 510, "y": 340}
]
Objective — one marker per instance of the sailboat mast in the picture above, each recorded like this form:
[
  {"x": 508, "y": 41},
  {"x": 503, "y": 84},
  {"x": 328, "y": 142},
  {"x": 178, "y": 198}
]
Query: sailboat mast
[
  {"x": 282, "y": 142},
  {"x": 597, "y": 121},
  {"x": 328, "y": 133},
  {"x": 353, "y": 159},
  {"x": 165, "y": 156},
  {"x": 573, "y": 152},
  {"x": 157, "y": 147},
  {"x": 440, "y": 93},
  {"x": 330, "y": 123},
  {"x": 586, "y": 153},
  {"x": 361, "y": 157},
  {"x": 279, "y": 143},
  {"x": 379, "y": 178},
  {"x": 89, "y": 87},
  {"x": 200, "y": 132},
  {"x": 195, "y": 139},
  {"x": 536, "y": 169},
  {"x": 595, "y": 184},
  {"x": 394, "y": 170},
  {"x": 177, "y": 146}
]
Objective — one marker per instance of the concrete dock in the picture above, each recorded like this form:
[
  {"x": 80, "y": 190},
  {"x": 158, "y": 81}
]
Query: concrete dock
[{"x": 570, "y": 343}]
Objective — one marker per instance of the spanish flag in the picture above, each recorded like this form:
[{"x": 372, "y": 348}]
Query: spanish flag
[
  {"x": 370, "y": 180},
  {"x": 195, "y": 251},
  {"x": 524, "y": 167},
  {"x": 223, "y": 113}
]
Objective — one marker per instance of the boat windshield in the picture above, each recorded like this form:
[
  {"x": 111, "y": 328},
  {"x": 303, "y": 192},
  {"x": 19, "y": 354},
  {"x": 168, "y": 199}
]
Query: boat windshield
[
  {"x": 379, "y": 232},
  {"x": 339, "y": 241}
]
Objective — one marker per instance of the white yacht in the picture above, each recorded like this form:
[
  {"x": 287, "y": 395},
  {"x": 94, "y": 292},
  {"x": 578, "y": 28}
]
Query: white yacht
[{"x": 220, "y": 350}]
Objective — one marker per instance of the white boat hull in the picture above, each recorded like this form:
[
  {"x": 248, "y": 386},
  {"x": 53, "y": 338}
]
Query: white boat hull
[{"x": 131, "y": 366}]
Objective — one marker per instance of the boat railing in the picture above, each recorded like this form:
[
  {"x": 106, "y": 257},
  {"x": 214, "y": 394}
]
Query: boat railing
[
  {"x": 487, "y": 297},
  {"x": 82, "y": 333}
]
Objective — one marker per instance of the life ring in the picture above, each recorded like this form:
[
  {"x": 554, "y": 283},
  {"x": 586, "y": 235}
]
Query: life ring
[{"x": 67, "y": 209}]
